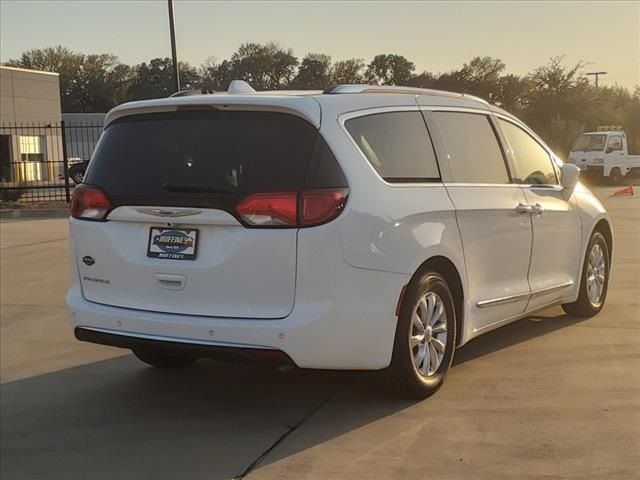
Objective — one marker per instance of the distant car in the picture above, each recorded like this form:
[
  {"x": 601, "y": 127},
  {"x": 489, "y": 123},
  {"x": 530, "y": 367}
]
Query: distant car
[
  {"x": 604, "y": 154},
  {"x": 363, "y": 228},
  {"x": 77, "y": 171}
]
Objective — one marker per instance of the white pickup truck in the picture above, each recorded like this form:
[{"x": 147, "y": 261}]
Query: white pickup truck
[{"x": 604, "y": 154}]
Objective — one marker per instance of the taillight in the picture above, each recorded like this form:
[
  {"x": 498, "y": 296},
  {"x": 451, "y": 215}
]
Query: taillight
[
  {"x": 321, "y": 206},
  {"x": 270, "y": 209},
  {"x": 89, "y": 203},
  {"x": 290, "y": 209}
]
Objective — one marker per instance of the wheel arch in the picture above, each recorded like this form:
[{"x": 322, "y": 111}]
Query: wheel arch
[
  {"x": 448, "y": 270},
  {"x": 604, "y": 228}
]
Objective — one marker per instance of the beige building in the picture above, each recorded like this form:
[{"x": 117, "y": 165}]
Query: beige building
[{"x": 30, "y": 134}]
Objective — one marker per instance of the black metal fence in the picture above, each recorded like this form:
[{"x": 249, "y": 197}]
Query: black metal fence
[{"x": 35, "y": 159}]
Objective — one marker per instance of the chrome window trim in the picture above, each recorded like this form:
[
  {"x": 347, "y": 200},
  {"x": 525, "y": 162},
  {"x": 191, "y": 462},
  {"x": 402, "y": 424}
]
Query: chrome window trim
[
  {"x": 492, "y": 185},
  {"x": 514, "y": 298},
  {"x": 437, "y": 108},
  {"x": 345, "y": 117}
]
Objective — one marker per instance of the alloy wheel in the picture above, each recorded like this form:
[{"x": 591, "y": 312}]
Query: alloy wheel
[
  {"x": 596, "y": 271},
  {"x": 428, "y": 333}
]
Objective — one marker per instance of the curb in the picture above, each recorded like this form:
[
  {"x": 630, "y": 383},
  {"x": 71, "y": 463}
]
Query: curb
[{"x": 34, "y": 213}]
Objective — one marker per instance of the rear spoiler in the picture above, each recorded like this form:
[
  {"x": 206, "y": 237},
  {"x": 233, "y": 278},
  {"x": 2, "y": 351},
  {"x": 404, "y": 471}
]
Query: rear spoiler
[{"x": 305, "y": 107}]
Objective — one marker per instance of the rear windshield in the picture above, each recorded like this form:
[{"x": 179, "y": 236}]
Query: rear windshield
[{"x": 182, "y": 158}]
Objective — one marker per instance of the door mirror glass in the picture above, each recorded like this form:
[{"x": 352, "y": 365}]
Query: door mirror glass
[{"x": 570, "y": 175}]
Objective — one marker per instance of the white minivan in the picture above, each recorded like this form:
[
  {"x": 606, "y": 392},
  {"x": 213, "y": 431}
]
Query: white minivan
[{"x": 359, "y": 228}]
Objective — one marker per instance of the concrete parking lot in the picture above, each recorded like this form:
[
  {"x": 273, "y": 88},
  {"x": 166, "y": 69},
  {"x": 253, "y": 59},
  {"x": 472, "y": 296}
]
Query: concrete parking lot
[{"x": 551, "y": 396}]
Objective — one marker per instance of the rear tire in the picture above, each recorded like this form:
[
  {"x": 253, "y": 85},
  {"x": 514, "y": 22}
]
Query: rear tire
[
  {"x": 615, "y": 176},
  {"x": 433, "y": 339},
  {"x": 162, "y": 360},
  {"x": 589, "y": 305}
]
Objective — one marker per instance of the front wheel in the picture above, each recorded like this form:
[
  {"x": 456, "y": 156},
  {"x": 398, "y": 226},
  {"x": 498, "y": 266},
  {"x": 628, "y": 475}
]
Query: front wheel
[
  {"x": 162, "y": 360},
  {"x": 425, "y": 339},
  {"x": 595, "y": 279}
]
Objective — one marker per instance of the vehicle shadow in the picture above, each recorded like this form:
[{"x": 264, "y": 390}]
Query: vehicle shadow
[
  {"x": 526, "y": 329},
  {"x": 121, "y": 419}
]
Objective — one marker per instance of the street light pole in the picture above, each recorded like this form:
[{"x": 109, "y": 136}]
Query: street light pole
[
  {"x": 596, "y": 74},
  {"x": 174, "y": 53}
]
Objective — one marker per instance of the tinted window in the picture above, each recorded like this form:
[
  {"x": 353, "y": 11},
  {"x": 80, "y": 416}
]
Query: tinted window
[
  {"x": 532, "y": 162},
  {"x": 474, "y": 153},
  {"x": 324, "y": 170},
  {"x": 615, "y": 144},
  {"x": 397, "y": 145},
  {"x": 228, "y": 152}
]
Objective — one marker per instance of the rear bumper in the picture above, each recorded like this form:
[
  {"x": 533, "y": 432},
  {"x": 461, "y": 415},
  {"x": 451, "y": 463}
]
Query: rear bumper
[
  {"x": 353, "y": 331},
  {"x": 179, "y": 347}
]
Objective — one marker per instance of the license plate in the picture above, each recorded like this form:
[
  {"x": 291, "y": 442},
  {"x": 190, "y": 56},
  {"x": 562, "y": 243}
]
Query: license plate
[{"x": 173, "y": 243}]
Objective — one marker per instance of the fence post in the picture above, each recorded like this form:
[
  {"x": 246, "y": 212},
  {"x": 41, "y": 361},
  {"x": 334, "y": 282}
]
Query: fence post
[{"x": 65, "y": 163}]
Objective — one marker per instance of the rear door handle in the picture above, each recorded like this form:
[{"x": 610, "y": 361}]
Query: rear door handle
[
  {"x": 170, "y": 281},
  {"x": 521, "y": 208},
  {"x": 537, "y": 209}
]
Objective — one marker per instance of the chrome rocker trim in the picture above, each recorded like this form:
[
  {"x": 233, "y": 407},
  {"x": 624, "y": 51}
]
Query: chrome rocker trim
[{"x": 528, "y": 295}]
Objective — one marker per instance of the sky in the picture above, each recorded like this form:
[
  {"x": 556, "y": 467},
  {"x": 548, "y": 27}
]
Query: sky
[{"x": 436, "y": 36}]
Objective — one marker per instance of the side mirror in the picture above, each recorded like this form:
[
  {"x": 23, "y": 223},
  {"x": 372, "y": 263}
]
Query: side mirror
[{"x": 569, "y": 176}]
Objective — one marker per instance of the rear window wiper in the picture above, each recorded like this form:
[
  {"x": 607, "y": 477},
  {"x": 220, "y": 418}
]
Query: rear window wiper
[{"x": 195, "y": 188}]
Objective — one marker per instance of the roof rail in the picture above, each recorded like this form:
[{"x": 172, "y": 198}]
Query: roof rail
[
  {"x": 188, "y": 93},
  {"x": 397, "y": 90}
]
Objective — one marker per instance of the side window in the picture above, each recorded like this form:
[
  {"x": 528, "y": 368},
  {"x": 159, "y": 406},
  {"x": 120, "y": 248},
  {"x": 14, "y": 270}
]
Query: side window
[
  {"x": 397, "y": 144},
  {"x": 531, "y": 161},
  {"x": 615, "y": 144},
  {"x": 474, "y": 153}
]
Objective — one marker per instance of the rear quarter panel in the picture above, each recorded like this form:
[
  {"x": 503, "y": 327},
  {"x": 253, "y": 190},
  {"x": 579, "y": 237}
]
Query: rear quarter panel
[{"x": 591, "y": 212}]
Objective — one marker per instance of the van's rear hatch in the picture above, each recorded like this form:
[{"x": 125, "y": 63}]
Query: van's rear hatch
[{"x": 174, "y": 240}]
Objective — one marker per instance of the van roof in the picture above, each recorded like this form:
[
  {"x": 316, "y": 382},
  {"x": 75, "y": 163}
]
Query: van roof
[{"x": 308, "y": 104}]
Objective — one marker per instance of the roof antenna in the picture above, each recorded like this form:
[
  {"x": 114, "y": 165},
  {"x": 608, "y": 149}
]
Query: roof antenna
[{"x": 240, "y": 86}]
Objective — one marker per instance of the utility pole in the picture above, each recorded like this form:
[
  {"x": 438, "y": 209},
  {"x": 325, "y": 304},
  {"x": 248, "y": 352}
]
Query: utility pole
[
  {"x": 596, "y": 74},
  {"x": 174, "y": 53}
]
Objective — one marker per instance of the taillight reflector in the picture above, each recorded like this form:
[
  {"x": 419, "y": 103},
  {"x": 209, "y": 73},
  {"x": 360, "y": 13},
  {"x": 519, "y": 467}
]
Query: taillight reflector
[
  {"x": 89, "y": 203},
  {"x": 290, "y": 209}
]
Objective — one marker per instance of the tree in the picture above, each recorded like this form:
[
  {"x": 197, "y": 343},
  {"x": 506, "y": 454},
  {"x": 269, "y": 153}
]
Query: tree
[
  {"x": 390, "y": 70},
  {"x": 348, "y": 71},
  {"x": 264, "y": 67},
  {"x": 58, "y": 59},
  {"x": 423, "y": 80},
  {"x": 156, "y": 79},
  {"x": 215, "y": 76},
  {"x": 88, "y": 83},
  {"x": 511, "y": 93},
  {"x": 314, "y": 72},
  {"x": 100, "y": 84},
  {"x": 559, "y": 103},
  {"x": 481, "y": 76}
]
